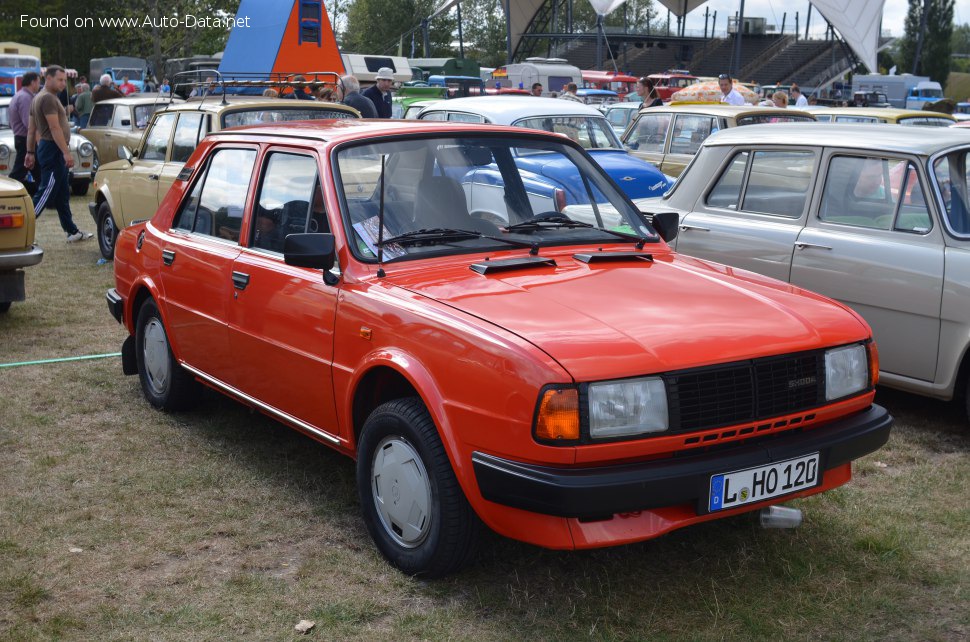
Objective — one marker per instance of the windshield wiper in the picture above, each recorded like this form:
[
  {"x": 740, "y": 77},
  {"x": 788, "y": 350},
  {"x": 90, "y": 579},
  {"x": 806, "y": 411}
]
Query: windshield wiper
[
  {"x": 547, "y": 222},
  {"x": 431, "y": 236}
]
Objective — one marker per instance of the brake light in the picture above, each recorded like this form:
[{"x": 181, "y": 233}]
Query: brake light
[
  {"x": 10, "y": 221},
  {"x": 559, "y": 195}
]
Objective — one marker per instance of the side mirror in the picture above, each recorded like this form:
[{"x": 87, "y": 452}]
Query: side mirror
[
  {"x": 310, "y": 250},
  {"x": 125, "y": 122},
  {"x": 666, "y": 224},
  {"x": 125, "y": 153}
]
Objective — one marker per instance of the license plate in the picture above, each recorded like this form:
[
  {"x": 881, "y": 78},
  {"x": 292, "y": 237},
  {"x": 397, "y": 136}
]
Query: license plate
[{"x": 730, "y": 490}]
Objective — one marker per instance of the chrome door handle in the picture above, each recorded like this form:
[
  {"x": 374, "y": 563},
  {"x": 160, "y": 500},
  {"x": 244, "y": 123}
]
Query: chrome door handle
[
  {"x": 168, "y": 257},
  {"x": 806, "y": 246},
  {"x": 684, "y": 228}
]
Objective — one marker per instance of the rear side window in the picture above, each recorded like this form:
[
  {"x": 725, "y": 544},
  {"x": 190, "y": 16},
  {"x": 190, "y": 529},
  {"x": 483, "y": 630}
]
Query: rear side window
[
  {"x": 215, "y": 206},
  {"x": 771, "y": 182},
  {"x": 648, "y": 133},
  {"x": 156, "y": 144},
  {"x": 689, "y": 132},
  {"x": 101, "y": 116},
  {"x": 435, "y": 115},
  {"x": 187, "y": 134},
  {"x": 122, "y": 117}
]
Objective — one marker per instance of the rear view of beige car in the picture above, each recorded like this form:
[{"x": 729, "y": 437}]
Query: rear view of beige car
[{"x": 875, "y": 216}]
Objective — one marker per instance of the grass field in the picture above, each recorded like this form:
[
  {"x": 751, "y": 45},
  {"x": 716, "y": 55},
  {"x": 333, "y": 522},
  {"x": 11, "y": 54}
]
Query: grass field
[{"x": 118, "y": 522}]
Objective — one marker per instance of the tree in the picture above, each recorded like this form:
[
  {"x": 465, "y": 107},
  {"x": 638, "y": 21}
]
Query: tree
[
  {"x": 934, "y": 60},
  {"x": 377, "y": 27},
  {"x": 483, "y": 24}
]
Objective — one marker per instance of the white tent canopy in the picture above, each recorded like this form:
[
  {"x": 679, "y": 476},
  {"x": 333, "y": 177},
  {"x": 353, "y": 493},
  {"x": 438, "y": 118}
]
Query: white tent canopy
[{"x": 858, "y": 21}]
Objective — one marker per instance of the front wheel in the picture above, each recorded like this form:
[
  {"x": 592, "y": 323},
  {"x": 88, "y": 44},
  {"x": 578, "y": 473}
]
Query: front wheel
[
  {"x": 413, "y": 506},
  {"x": 107, "y": 231},
  {"x": 166, "y": 384}
]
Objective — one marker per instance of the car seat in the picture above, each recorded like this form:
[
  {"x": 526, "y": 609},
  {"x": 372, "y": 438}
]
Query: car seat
[{"x": 441, "y": 203}]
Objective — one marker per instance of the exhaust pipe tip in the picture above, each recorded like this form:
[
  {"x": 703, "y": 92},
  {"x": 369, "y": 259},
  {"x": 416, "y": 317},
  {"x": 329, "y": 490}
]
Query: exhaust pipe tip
[{"x": 780, "y": 517}]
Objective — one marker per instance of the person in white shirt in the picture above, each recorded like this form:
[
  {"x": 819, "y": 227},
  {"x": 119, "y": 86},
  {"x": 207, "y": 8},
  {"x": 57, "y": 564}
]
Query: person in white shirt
[
  {"x": 729, "y": 95},
  {"x": 798, "y": 97}
]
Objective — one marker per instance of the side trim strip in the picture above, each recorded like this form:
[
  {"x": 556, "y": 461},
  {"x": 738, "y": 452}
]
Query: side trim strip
[{"x": 279, "y": 414}]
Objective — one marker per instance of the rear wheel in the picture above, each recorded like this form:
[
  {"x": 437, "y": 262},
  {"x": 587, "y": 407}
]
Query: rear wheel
[
  {"x": 166, "y": 384},
  {"x": 107, "y": 231},
  {"x": 413, "y": 506}
]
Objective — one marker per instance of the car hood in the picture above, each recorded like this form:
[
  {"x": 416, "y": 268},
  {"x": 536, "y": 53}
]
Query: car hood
[
  {"x": 637, "y": 178},
  {"x": 621, "y": 319}
]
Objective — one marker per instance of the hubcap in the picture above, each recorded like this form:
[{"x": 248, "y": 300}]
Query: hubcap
[
  {"x": 402, "y": 491},
  {"x": 155, "y": 353},
  {"x": 107, "y": 231}
]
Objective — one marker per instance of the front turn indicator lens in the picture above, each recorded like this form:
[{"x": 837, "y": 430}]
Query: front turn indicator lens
[{"x": 558, "y": 416}]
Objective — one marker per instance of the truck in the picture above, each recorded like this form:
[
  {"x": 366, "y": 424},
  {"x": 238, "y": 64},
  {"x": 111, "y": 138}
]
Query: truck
[
  {"x": 136, "y": 69},
  {"x": 899, "y": 89},
  {"x": 12, "y": 70}
]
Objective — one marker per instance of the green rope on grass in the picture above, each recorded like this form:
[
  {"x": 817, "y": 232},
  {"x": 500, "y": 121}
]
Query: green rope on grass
[{"x": 61, "y": 360}]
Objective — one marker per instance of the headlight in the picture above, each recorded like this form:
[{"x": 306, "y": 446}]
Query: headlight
[
  {"x": 86, "y": 149},
  {"x": 626, "y": 408},
  {"x": 846, "y": 371},
  {"x": 4, "y": 151}
]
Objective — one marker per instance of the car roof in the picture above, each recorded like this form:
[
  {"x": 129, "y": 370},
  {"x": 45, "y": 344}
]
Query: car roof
[
  {"x": 507, "y": 109},
  {"x": 360, "y": 129},
  {"x": 887, "y": 112},
  {"x": 138, "y": 100},
  {"x": 725, "y": 111},
  {"x": 880, "y": 136},
  {"x": 214, "y": 104}
]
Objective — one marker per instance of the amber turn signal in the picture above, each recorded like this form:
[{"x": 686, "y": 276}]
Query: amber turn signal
[
  {"x": 8, "y": 221},
  {"x": 873, "y": 363},
  {"x": 558, "y": 417}
]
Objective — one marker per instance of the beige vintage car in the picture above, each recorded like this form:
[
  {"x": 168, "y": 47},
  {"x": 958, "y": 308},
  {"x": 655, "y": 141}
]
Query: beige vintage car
[
  {"x": 131, "y": 188},
  {"x": 875, "y": 216},
  {"x": 85, "y": 156},
  {"x": 17, "y": 249},
  {"x": 121, "y": 121},
  {"x": 669, "y": 136},
  {"x": 874, "y": 115}
]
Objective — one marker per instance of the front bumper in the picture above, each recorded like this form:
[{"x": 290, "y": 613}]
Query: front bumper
[
  {"x": 596, "y": 492},
  {"x": 93, "y": 209},
  {"x": 21, "y": 258}
]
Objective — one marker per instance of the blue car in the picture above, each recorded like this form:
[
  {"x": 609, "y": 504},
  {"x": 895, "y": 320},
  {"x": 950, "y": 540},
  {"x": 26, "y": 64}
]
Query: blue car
[{"x": 582, "y": 123}]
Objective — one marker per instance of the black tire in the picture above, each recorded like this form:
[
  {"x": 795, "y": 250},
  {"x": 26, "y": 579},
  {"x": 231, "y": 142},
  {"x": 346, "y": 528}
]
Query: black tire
[
  {"x": 166, "y": 384},
  {"x": 107, "y": 231},
  {"x": 445, "y": 538},
  {"x": 4, "y": 306},
  {"x": 80, "y": 187}
]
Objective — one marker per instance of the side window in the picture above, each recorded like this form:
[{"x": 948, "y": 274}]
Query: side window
[
  {"x": 858, "y": 191},
  {"x": 778, "y": 183},
  {"x": 464, "y": 118},
  {"x": 912, "y": 215},
  {"x": 156, "y": 143},
  {"x": 186, "y": 136},
  {"x": 649, "y": 133},
  {"x": 101, "y": 116},
  {"x": 289, "y": 201},
  {"x": 122, "y": 117},
  {"x": 616, "y": 116},
  {"x": 435, "y": 115},
  {"x": 689, "y": 132},
  {"x": 727, "y": 192},
  {"x": 215, "y": 205}
]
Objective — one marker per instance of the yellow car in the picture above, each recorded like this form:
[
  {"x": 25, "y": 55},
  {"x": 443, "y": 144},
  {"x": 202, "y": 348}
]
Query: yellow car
[
  {"x": 911, "y": 117},
  {"x": 130, "y": 189},
  {"x": 669, "y": 136},
  {"x": 120, "y": 121},
  {"x": 17, "y": 249}
]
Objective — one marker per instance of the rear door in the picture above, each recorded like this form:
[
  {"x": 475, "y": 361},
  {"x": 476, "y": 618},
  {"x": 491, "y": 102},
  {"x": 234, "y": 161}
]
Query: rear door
[
  {"x": 873, "y": 245},
  {"x": 689, "y": 131},
  {"x": 753, "y": 213},
  {"x": 198, "y": 254}
]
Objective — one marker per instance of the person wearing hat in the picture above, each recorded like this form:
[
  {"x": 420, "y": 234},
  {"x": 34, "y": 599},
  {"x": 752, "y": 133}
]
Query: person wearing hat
[{"x": 380, "y": 93}]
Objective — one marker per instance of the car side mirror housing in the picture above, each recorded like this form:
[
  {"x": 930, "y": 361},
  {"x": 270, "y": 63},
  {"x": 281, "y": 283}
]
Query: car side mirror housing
[
  {"x": 125, "y": 122},
  {"x": 125, "y": 153},
  {"x": 310, "y": 250},
  {"x": 666, "y": 224}
]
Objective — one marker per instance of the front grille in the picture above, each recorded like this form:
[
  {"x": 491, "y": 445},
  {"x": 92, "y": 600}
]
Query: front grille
[{"x": 745, "y": 391}]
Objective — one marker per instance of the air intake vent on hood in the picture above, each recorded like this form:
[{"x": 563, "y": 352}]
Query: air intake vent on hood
[{"x": 504, "y": 265}]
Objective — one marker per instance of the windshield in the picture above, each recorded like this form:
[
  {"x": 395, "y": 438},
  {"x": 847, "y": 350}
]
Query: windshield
[
  {"x": 274, "y": 114},
  {"x": 952, "y": 174},
  {"x": 592, "y": 132},
  {"x": 446, "y": 185},
  {"x": 134, "y": 75}
]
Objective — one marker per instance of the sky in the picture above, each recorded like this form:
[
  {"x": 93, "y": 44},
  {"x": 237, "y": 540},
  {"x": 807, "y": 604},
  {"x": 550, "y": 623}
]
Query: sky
[{"x": 894, "y": 14}]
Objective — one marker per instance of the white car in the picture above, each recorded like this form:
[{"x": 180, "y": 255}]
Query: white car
[
  {"x": 85, "y": 156},
  {"x": 582, "y": 123},
  {"x": 620, "y": 115}
]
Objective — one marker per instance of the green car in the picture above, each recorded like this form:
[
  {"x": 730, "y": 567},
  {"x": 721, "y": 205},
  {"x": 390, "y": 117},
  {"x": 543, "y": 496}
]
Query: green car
[{"x": 415, "y": 98}]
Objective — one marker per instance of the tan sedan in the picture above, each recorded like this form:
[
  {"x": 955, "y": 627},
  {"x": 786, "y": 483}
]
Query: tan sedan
[
  {"x": 669, "y": 136},
  {"x": 120, "y": 121},
  {"x": 875, "y": 216}
]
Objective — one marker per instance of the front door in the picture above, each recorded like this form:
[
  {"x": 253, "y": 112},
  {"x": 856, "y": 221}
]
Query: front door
[
  {"x": 138, "y": 191},
  {"x": 647, "y": 137}
]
